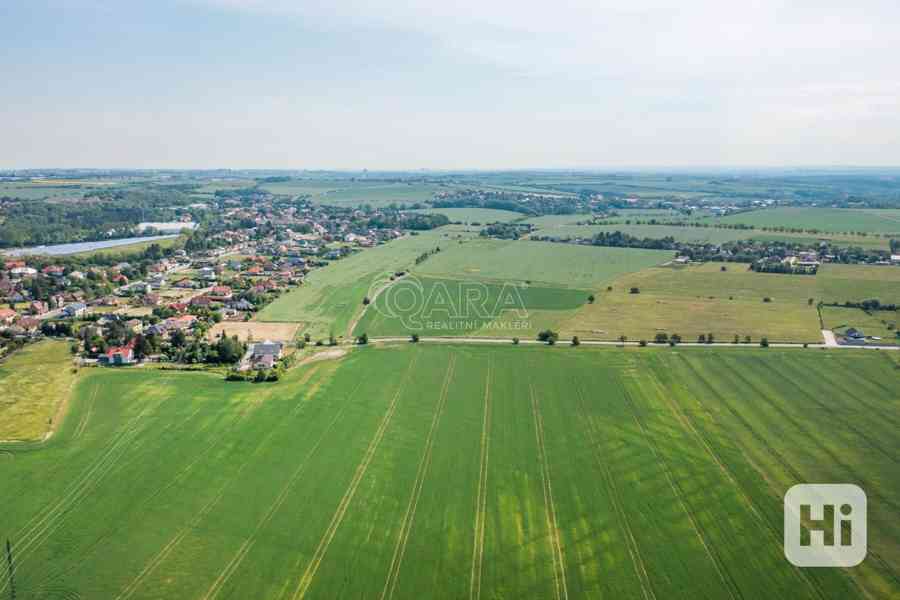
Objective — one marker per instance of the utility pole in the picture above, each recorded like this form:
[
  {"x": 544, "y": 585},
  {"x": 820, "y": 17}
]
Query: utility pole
[{"x": 9, "y": 562}]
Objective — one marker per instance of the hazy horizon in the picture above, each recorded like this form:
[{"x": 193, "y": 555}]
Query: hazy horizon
[{"x": 576, "y": 85}]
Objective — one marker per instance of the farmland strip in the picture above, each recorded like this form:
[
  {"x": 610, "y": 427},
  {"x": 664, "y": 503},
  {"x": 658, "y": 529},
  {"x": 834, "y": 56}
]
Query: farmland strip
[
  {"x": 394, "y": 571},
  {"x": 481, "y": 500},
  {"x": 559, "y": 565},
  {"x": 343, "y": 505},
  {"x": 686, "y": 420},
  {"x": 719, "y": 565},
  {"x": 634, "y": 551}
]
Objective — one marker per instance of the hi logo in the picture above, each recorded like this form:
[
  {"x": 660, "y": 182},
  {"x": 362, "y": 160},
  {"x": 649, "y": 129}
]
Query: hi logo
[{"x": 825, "y": 525}]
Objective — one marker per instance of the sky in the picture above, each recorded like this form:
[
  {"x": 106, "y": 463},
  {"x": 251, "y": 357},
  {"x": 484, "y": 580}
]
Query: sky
[{"x": 467, "y": 84}]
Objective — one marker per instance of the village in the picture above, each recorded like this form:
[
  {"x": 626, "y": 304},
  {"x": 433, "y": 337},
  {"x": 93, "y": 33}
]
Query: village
[{"x": 183, "y": 304}]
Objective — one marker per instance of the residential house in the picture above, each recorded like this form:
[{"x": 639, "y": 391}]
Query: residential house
[
  {"x": 220, "y": 293},
  {"x": 119, "y": 355},
  {"x": 150, "y": 300},
  {"x": 37, "y": 307},
  {"x": 265, "y": 354},
  {"x": 134, "y": 326},
  {"x": 76, "y": 309},
  {"x": 23, "y": 272},
  {"x": 8, "y": 316}
]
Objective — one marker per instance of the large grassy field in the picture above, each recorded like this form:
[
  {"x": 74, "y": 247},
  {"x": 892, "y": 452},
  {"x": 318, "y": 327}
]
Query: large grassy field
[
  {"x": 565, "y": 265},
  {"x": 357, "y": 193},
  {"x": 331, "y": 296},
  {"x": 454, "y": 307},
  {"x": 822, "y": 219},
  {"x": 35, "y": 383},
  {"x": 704, "y": 299},
  {"x": 458, "y": 472}
]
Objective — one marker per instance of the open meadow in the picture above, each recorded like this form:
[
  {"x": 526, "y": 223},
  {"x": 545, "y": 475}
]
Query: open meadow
[
  {"x": 702, "y": 299},
  {"x": 442, "y": 471},
  {"x": 474, "y": 215},
  {"x": 36, "y": 383}
]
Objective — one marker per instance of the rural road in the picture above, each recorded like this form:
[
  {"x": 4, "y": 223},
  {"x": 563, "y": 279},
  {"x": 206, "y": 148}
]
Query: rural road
[{"x": 476, "y": 340}]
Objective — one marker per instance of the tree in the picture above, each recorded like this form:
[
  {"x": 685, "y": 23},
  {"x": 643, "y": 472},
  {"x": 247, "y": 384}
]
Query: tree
[
  {"x": 623, "y": 338},
  {"x": 747, "y": 339},
  {"x": 709, "y": 338},
  {"x": 366, "y": 301},
  {"x": 515, "y": 341},
  {"x": 701, "y": 339},
  {"x": 810, "y": 302},
  {"x": 591, "y": 299},
  {"x": 767, "y": 299},
  {"x": 634, "y": 290},
  {"x": 737, "y": 339},
  {"x": 675, "y": 338},
  {"x": 414, "y": 338},
  {"x": 642, "y": 343},
  {"x": 548, "y": 335},
  {"x": 764, "y": 342},
  {"x": 724, "y": 268},
  {"x": 363, "y": 339},
  {"x": 306, "y": 338},
  {"x": 661, "y": 337},
  {"x": 576, "y": 341}
]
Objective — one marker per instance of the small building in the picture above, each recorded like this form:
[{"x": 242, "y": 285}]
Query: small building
[
  {"x": 854, "y": 334},
  {"x": 8, "y": 316},
  {"x": 265, "y": 354},
  {"x": 220, "y": 293},
  {"x": 76, "y": 309},
  {"x": 119, "y": 355}
]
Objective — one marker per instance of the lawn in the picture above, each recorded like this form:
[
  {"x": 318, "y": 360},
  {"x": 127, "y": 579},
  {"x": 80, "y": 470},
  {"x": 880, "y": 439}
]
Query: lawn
[
  {"x": 822, "y": 219},
  {"x": 36, "y": 382},
  {"x": 447, "y": 472},
  {"x": 555, "y": 265},
  {"x": 704, "y": 299}
]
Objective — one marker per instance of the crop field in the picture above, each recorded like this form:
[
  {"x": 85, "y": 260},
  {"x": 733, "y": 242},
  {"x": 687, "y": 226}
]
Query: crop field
[
  {"x": 331, "y": 296},
  {"x": 710, "y": 235},
  {"x": 458, "y": 472},
  {"x": 357, "y": 193},
  {"x": 454, "y": 307},
  {"x": 475, "y": 215},
  {"x": 35, "y": 382},
  {"x": 704, "y": 299},
  {"x": 823, "y": 219},
  {"x": 560, "y": 265}
]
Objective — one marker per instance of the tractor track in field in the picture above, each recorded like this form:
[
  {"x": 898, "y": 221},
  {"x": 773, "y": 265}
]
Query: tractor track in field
[
  {"x": 40, "y": 527},
  {"x": 881, "y": 415},
  {"x": 804, "y": 392},
  {"x": 637, "y": 561},
  {"x": 559, "y": 559},
  {"x": 815, "y": 439},
  {"x": 344, "y": 504},
  {"x": 82, "y": 424},
  {"x": 727, "y": 580},
  {"x": 409, "y": 518},
  {"x": 275, "y": 506},
  {"x": 481, "y": 499},
  {"x": 687, "y": 422}
]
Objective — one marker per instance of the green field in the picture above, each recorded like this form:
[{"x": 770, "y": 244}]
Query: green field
[
  {"x": 455, "y": 472},
  {"x": 560, "y": 265},
  {"x": 475, "y": 215},
  {"x": 704, "y": 299},
  {"x": 357, "y": 193},
  {"x": 454, "y": 307},
  {"x": 710, "y": 235},
  {"x": 822, "y": 219},
  {"x": 331, "y": 296},
  {"x": 35, "y": 382}
]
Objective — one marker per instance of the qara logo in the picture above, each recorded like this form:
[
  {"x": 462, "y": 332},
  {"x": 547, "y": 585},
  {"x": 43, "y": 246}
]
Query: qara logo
[{"x": 825, "y": 525}]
